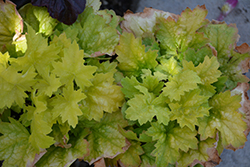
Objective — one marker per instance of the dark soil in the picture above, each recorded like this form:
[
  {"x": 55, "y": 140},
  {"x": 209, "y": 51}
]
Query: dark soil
[{"x": 120, "y": 6}]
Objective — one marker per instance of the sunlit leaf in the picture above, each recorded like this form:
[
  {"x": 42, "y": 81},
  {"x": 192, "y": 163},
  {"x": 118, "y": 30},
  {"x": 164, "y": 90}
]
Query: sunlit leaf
[
  {"x": 105, "y": 139},
  {"x": 191, "y": 106},
  {"x": 132, "y": 56},
  {"x": 224, "y": 117},
  {"x": 38, "y": 18},
  {"x": 72, "y": 67},
  {"x": 65, "y": 156},
  {"x": 183, "y": 82},
  {"x": 66, "y": 105},
  {"x": 197, "y": 154},
  {"x": 96, "y": 41},
  {"x": 170, "y": 139},
  {"x": 13, "y": 85},
  {"x": 176, "y": 37},
  {"x": 104, "y": 95},
  {"x": 143, "y": 107},
  {"x": 14, "y": 145},
  {"x": 10, "y": 23}
]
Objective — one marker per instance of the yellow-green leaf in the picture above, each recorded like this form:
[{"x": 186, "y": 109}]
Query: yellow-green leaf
[
  {"x": 177, "y": 37},
  {"x": 104, "y": 95},
  {"x": 132, "y": 156},
  {"x": 10, "y": 23},
  {"x": 105, "y": 139},
  {"x": 38, "y": 18},
  {"x": 180, "y": 83},
  {"x": 200, "y": 154},
  {"x": 191, "y": 106},
  {"x": 132, "y": 56},
  {"x": 14, "y": 145},
  {"x": 66, "y": 105},
  {"x": 14, "y": 85},
  {"x": 170, "y": 140},
  {"x": 58, "y": 156},
  {"x": 208, "y": 73},
  {"x": 72, "y": 67},
  {"x": 224, "y": 116},
  {"x": 207, "y": 70},
  {"x": 96, "y": 41},
  {"x": 169, "y": 67},
  {"x": 39, "y": 133},
  {"x": 143, "y": 107}
]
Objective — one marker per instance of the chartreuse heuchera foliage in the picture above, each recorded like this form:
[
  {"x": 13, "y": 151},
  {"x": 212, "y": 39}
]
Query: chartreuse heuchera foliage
[{"x": 149, "y": 89}]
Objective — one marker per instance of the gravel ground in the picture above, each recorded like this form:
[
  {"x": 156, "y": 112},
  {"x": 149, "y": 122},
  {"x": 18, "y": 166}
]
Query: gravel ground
[{"x": 241, "y": 16}]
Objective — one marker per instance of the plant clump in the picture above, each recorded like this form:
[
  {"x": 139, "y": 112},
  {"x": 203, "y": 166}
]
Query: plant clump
[{"x": 148, "y": 89}]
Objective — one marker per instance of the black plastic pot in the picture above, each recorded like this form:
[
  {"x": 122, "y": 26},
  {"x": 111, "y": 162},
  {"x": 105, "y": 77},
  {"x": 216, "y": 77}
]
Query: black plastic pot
[
  {"x": 20, "y": 3},
  {"x": 119, "y": 6}
]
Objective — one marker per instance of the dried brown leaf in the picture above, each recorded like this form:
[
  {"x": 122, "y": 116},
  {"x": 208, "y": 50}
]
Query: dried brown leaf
[
  {"x": 138, "y": 23},
  {"x": 244, "y": 48},
  {"x": 245, "y": 103},
  {"x": 100, "y": 163},
  {"x": 214, "y": 159}
]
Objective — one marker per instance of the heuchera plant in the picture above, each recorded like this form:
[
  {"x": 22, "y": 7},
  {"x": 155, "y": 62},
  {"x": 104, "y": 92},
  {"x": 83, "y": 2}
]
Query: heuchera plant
[{"x": 148, "y": 89}]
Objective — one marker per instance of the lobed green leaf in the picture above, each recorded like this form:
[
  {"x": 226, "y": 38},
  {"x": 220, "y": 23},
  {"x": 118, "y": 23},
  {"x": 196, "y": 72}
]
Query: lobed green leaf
[
  {"x": 180, "y": 83},
  {"x": 224, "y": 116},
  {"x": 132, "y": 57},
  {"x": 143, "y": 107},
  {"x": 170, "y": 139},
  {"x": 14, "y": 145}
]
